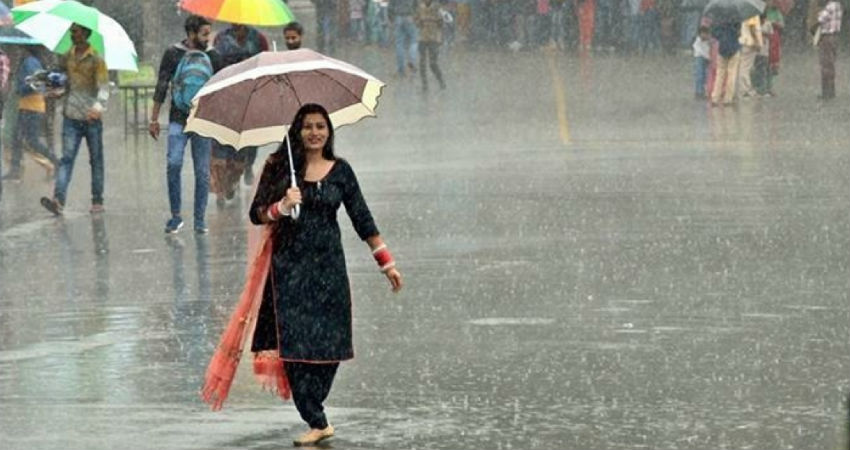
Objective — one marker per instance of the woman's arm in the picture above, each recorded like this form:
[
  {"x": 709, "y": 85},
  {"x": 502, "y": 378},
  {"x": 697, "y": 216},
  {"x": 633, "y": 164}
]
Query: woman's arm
[{"x": 384, "y": 258}]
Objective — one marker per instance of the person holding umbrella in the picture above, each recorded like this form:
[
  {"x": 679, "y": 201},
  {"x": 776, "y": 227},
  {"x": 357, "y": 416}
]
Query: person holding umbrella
[
  {"x": 301, "y": 315},
  {"x": 32, "y": 107},
  {"x": 85, "y": 100},
  {"x": 308, "y": 298}
]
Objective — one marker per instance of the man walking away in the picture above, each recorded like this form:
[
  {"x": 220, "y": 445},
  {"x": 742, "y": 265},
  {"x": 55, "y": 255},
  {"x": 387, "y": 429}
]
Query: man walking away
[
  {"x": 829, "y": 22},
  {"x": 185, "y": 66},
  {"x": 85, "y": 101}
]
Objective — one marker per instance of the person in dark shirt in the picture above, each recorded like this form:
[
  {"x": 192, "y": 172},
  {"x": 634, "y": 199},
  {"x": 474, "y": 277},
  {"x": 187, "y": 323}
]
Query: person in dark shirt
[
  {"x": 198, "y": 32},
  {"x": 729, "y": 56}
]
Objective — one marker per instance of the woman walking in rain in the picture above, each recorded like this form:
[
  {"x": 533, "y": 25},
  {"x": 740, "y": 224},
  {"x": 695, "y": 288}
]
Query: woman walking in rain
[{"x": 303, "y": 327}]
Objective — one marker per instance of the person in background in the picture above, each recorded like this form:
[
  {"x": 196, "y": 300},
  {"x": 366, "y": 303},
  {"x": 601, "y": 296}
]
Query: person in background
[
  {"x": 357, "y": 20},
  {"x": 406, "y": 35},
  {"x": 326, "y": 25},
  {"x": 728, "y": 59},
  {"x": 829, "y": 23},
  {"x": 777, "y": 23},
  {"x": 84, "y": 104},
  {"x": 234, "y": 45},
  {"x": 377, "y": 22},
  {"x": 702, "y": 58},
  {"x": 586, "y": 21},
  {"x": 32, "y": 108},
  {"x": 751, "y": 44},
  {"x": 430, "y": 24},
  {"x": 5, "y": 68},
  {"x": 194, "y": 49},
  {"x": 293, "y": 33},
  {"x": 761, "y": 73}
]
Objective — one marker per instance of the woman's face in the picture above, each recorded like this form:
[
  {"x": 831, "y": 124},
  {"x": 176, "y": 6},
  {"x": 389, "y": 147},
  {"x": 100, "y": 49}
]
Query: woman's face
[{"x": 315, "y": 132}]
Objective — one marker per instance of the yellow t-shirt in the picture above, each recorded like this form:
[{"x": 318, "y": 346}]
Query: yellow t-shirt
[{"x": 33, "y": 102}]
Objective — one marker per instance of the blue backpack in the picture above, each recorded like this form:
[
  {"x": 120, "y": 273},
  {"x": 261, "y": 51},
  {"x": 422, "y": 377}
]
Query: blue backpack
[{"x": 193, "y": 71}]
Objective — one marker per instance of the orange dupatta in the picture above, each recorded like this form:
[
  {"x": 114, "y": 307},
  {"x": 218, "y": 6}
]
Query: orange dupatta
[{"x": 268, "y": 366}]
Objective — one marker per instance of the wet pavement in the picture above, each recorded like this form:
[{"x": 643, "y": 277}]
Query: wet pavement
[{"x": 593, "y": 259}]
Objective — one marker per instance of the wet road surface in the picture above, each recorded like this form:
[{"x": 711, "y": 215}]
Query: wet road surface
[{"x": 593, "y": 259}]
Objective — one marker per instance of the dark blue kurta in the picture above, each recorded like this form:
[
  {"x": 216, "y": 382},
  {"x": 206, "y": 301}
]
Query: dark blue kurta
[{"x": 307, "y": 300}]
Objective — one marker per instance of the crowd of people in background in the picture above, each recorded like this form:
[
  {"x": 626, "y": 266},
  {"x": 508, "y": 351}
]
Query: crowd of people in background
[
  {"x": 740, "y": 60},
  {"x": 732, "y": 61},
  {"x": 622, "y": 26}
]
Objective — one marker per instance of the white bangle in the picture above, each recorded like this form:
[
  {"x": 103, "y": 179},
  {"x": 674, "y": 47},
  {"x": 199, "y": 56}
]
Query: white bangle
[{"x": 284, "y": 211}]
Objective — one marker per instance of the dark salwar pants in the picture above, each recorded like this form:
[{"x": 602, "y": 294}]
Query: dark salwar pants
[{"x": 311, "y": 384}]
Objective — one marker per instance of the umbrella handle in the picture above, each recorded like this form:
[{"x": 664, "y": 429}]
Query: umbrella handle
[{"x": 296, "y": 210}]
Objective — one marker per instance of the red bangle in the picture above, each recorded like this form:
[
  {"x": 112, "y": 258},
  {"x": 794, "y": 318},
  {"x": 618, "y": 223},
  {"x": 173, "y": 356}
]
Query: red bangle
[
  {"x": 274, "y": 211},
  {"x": 383, "y": 257}
]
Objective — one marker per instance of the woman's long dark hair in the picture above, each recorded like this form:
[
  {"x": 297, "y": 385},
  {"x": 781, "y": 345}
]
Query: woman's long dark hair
[{"x": 276, "y": 173}]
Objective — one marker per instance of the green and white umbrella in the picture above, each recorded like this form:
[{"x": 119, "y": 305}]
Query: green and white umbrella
[{"x": 49, "y": 22}]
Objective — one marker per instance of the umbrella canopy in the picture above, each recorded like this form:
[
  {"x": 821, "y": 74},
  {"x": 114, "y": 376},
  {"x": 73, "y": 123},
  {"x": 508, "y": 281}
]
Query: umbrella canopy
[
  {"x": 252, "y": 103},
  {"x": 731, "y": 11},
  {"x": 5, "y": 15},
  {"x": 49, "y": 22},
  {"x": 248, "y": 12},
  {"x": 8, "y": 34}
]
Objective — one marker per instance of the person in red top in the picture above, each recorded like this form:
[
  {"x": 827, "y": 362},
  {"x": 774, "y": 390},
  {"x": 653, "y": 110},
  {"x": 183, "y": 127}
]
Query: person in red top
[{"x": 586, "y": 17}]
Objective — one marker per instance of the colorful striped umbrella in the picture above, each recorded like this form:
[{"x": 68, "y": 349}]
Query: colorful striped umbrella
[{"x": 249, "y": 12}]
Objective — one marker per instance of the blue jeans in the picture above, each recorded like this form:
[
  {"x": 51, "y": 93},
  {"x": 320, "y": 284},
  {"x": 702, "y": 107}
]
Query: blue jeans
[
  {"x": 700, "y": 75},
  {"x": 73, "y": 132},
  {"x": 30, "y": 128},
  {"x": 326, "y": 33},
  {"x": 406, "y": 42},
  {"x": 201, "y": 149}
]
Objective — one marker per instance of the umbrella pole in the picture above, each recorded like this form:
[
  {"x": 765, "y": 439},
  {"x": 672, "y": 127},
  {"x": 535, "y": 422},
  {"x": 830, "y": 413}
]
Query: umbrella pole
[{"x": 296, "y": 211}]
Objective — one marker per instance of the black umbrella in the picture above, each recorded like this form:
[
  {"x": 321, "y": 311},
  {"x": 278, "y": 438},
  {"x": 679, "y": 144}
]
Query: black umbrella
[{"x": 731, "y": 11}]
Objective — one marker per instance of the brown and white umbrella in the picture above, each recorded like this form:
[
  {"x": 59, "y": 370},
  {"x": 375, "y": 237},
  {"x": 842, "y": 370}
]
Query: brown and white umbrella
[{"x": 252, "y": 103}]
